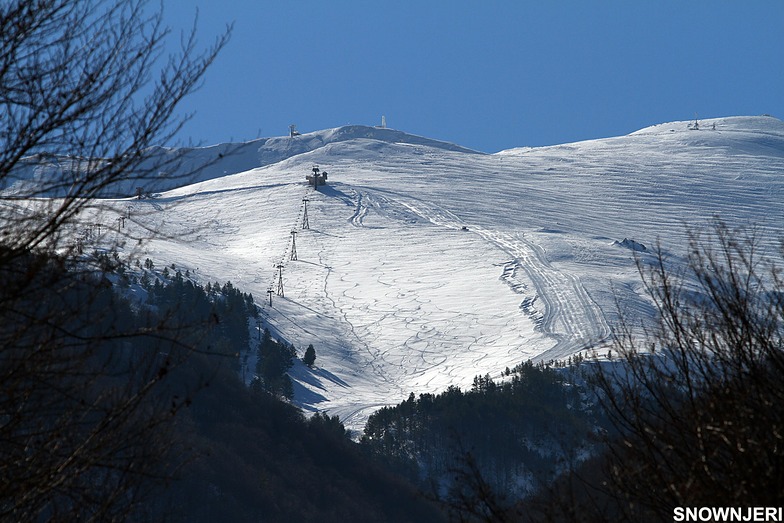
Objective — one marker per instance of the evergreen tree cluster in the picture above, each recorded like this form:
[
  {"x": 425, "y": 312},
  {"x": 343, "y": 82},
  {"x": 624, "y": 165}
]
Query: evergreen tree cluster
[
  {"x": 276, "y": 357},
  {"x": 93, "y": 384},
  {"x": 213, "y": 317},
  {"x": 227, "y": 311},
  {"x": 521, "y": 432}
]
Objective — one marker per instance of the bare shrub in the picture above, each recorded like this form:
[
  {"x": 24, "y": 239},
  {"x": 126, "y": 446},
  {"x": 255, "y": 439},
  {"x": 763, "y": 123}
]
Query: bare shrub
[{"x": 698, "y": 402}]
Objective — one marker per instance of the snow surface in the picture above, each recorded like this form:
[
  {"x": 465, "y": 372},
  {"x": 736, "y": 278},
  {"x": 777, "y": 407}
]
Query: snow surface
[
  {"x": 426, "y": 264},
  {"x": 167, "y": 168}
]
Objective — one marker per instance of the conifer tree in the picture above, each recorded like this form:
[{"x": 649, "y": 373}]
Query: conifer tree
[
  {"x": 275, "y": 359},
  {"x": 310, "y": 356}
]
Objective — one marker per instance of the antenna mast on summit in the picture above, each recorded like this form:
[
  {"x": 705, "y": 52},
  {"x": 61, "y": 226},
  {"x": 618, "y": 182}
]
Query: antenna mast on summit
[{"x": 383, "y": 122}]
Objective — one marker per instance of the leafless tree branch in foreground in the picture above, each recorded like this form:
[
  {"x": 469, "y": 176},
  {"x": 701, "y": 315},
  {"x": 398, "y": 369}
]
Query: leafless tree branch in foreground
[
  {"x": 698, "y": 403},
  {"x": 85, "y": 395}
]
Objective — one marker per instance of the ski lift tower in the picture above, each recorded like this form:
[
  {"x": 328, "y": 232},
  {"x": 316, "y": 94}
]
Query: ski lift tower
[
  {"x": 270, "y": 292},
  {"x": 279, "y": 266},
  {"x": 293, "y": 131},
  {"x": 293, "y": 246},
  {"x": 305, "y": 221}
]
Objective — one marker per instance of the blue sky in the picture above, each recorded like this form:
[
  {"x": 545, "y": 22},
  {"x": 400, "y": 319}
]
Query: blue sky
[{"x": 487, "y": 74}]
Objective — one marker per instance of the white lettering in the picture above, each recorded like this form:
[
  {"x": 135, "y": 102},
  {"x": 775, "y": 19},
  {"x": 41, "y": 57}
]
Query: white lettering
[
  {"x": 775, "y": 514},
  {"x": 726, "y": 513}
]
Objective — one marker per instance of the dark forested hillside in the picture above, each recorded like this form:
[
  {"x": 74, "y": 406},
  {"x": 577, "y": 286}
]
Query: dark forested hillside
[
  {"x": 258, "y": 459},
  {"x": 518, "y": 433},
  {"x": 122, "y": 400}
]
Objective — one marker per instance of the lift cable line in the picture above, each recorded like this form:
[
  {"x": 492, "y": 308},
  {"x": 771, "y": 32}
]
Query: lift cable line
[{"x": 317, "y": 178}]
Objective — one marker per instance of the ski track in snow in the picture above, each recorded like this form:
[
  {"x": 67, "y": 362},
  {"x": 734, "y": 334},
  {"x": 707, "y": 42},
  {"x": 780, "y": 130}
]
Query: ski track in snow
[{"x": 570, "y": 315}]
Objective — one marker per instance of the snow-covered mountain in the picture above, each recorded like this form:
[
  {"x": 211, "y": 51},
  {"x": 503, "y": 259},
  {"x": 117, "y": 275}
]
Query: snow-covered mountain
[
  {"x": 426, "y": 263},
  {"x": 170, "y": 167}
]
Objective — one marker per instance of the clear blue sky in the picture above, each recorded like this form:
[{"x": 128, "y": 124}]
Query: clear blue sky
[{"x": 485, "y": 74}]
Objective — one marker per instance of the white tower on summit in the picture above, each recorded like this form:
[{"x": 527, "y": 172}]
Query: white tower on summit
[{"x": 383, "y": 122}]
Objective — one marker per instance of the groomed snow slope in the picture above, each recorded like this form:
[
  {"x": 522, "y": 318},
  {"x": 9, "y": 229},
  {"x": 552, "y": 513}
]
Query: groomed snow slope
[{"x": 397, "y": 297}]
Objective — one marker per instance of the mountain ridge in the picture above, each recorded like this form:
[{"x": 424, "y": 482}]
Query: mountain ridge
[{"x": 173, "y": 167}]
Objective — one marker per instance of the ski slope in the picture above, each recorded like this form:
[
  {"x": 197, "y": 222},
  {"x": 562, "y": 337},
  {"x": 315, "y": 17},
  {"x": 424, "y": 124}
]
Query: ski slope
[{"x": 426, "y": 264}]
